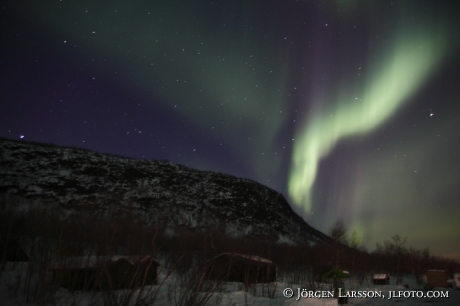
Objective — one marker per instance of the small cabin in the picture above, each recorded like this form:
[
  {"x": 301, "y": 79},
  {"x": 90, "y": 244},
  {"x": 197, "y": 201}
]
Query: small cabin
[
  {"x": 248, "y": 269},
  {"x": 381, "y": 279},
  {"x": 436, "y": 278},
  {"x": 105, "y": 272}
]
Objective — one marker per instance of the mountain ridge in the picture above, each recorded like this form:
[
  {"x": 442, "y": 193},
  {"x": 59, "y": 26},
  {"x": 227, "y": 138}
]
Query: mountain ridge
[{"x": 70, "y": 180}]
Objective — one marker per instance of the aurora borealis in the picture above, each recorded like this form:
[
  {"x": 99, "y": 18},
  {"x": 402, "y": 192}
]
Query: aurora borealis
[
  {"x": 348, "y": 108},
  {"x": 397, "y": 77}
]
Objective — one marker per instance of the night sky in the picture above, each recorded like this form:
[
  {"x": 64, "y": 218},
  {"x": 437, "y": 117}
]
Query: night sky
[{"x": 351, "y": 109}]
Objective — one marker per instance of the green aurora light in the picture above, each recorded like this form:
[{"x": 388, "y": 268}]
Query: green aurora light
[
  {"x": 187, "y": 62},
  {"x": 280, "y": 91},
  {"x": 413, "y": 56}
]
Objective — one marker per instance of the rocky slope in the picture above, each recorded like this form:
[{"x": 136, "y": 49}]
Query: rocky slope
[{"x": 76, "y": 181}]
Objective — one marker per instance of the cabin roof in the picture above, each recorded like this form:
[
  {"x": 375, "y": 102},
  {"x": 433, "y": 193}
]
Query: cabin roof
[
  {"x": 247, "y": 257},
  {"x": 80, "y": 262}
]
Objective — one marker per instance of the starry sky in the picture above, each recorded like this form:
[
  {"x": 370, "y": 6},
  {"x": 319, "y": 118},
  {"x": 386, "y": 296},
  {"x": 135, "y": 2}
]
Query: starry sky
[{"x": 350, "y": 109}]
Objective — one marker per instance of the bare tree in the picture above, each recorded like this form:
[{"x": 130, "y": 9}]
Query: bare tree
[
  {"x": 338, "y": 233},
  {"x": 399, "y": 252}
]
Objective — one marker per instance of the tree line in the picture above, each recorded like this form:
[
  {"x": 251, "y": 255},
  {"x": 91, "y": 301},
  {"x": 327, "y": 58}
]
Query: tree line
[{"x": 187, "y": 254}]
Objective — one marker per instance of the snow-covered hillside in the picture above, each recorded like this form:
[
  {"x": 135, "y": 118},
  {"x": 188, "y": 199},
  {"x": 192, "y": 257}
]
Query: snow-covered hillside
[{"x": 72, "y": 181}]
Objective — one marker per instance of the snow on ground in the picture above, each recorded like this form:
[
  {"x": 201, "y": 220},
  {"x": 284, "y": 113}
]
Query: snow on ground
[{"x": 169, "y": 293}]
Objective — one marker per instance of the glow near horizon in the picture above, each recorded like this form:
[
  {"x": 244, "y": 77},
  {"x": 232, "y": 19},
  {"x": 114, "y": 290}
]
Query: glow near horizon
[{"x": 412, "y": 59}]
